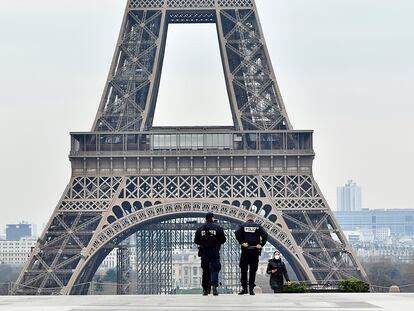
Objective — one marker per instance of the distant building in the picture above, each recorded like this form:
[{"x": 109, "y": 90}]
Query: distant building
[
  {"x": 35, "y": 234},
  {"x": 110, "y": 261},
  {"x": 353, "y": 236},
  {"x": 16, "y": 252},
  {"x": 380, "y": 223},
  {"x": 349, "y": 197},
  {"x": 371, "y": 252},
  {"x": 14, "y": 232},
  {"x": 187, "y": 270},
  {"x": 383, "y": 234}
]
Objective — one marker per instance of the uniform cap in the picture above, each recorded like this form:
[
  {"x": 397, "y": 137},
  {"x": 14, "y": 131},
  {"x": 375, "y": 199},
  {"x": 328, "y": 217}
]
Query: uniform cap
[{"x": 209, "y": 215}]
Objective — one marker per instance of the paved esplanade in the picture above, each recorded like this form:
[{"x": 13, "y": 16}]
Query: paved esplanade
[{"x": 290, "y": 302}]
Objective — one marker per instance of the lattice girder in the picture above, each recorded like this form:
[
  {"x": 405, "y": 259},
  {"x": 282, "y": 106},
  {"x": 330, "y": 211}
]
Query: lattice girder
[
  {"x": 129, "y": 98},
  {"x": 189, "y": 4},
  {"x": 79, "y": 234}
]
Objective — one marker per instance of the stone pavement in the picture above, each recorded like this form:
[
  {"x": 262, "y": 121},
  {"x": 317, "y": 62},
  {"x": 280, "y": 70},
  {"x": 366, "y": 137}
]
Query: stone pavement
[{"x": 260, "y": 302}]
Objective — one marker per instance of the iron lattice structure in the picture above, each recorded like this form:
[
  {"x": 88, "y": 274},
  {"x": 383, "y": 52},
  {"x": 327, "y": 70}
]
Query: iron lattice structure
[
  {"x": 154, "y": 248},
  {"x": 126, "y": 173},
  {"x": 123, "y": 268}
]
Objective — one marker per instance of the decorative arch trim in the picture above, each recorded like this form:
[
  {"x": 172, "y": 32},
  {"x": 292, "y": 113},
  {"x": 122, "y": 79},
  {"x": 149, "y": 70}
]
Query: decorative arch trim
[{"x": 125, "y": 226}]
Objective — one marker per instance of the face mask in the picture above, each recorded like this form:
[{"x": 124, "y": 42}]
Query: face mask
[{"x": 277, "y": 257}]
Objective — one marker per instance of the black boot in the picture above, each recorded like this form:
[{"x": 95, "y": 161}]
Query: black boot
[
  {"x": 207, "y": 291},
  {"x": 244, "y": 291},
  {"x": 251, "y": 291},
  {"x": 215, "y": 291}
]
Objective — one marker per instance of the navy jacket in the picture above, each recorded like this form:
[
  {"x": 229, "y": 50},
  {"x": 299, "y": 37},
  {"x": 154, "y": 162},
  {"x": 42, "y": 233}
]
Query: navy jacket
[
  {"x": 251, "y": 233},
  {"x": 209, "y": 237}
]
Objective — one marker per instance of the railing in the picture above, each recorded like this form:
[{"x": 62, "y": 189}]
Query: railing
[
  {"x": 6, "y": 288},
  {"x": 105, "y": 288},
  {"x": 289, "y": 142},
  {"x": 189, "y": 4}
]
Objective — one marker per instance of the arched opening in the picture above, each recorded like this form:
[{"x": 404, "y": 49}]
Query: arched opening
[
  {"x": 180, "y": 92},
  {"x": 91, "y": 265}
]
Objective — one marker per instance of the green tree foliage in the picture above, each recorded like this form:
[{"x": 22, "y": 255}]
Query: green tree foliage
[
  {"x": 294, "y": 287},
  {"x": 353, "y": 286}
]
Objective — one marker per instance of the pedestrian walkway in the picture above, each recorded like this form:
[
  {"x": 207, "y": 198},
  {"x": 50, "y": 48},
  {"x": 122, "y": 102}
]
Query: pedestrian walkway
[{"x": 264, "y": 302}]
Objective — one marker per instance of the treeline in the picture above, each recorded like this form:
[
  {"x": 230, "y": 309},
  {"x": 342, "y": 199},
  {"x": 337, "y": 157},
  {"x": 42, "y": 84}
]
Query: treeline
[
  {"x": 8, "y": 274},
  {"x": 386, "y": 273}
]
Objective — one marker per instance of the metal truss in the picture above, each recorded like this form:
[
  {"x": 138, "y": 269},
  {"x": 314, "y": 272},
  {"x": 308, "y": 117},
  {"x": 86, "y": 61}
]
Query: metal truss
[
  {"x": 186, "y": 4},
  {"x": 154, "y": 260},
  {"x": 124, "y": 180},
  {"x": 260, "y": 192},
  {"x": 154, "y": 247},
  {"x": 129, "y": 99},
  {"x": 230, "y": 258},
  {"x": 290, "y": 207},
  {"x": 123, "y": 269}
]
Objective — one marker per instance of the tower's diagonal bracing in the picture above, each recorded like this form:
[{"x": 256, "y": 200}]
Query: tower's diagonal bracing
[{"x": 127, "y": 175}]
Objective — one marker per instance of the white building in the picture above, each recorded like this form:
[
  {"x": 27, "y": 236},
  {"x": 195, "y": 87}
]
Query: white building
[
  {"x": 187, "y": 269},
  {"x": 382, "y": 234},
  {"x": 353, "y": 236},
  {"x": 187, "y": 272},
  {"x": 349, "y": 197},
  {"x": 16, "y": 252},
  {"x": 109, "y": 261},
  {"x": 360, "y": 235}
]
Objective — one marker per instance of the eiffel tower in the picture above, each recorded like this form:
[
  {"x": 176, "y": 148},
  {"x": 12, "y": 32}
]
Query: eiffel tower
[{"x": 127, "y": 174}]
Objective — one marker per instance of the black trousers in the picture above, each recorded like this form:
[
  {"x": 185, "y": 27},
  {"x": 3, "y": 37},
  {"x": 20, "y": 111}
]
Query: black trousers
[
  {"x": 276, "y": 283},
  {"x": 210, "y": 263},
  {"x": 249, "y": 262}
]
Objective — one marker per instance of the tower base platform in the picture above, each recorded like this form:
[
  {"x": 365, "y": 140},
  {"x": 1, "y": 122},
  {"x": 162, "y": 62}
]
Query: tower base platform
[{"x": 260, "y": 302}]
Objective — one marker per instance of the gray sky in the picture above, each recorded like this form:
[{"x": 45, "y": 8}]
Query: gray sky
[{"x": 345, "y": 69}]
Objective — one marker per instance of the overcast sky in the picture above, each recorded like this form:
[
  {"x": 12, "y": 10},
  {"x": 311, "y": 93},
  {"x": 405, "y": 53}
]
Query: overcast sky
[{"x": 345, "y": 69}]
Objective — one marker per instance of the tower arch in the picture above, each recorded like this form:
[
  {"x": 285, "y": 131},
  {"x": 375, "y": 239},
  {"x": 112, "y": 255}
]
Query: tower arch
[{"x": 112, "y": 233}]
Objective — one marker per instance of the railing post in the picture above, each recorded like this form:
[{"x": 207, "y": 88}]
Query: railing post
[{"x": 10, "y": 289}]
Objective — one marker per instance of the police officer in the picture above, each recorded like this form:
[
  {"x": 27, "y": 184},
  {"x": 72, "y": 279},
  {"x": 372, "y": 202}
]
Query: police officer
[
  {"x": 252, "y": 237},
  {"x": 209, "y": 237}
]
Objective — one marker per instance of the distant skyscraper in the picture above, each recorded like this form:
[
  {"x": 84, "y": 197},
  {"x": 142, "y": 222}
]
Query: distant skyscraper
[
  {"x": 34, "y": 230},
  {"x": 14, "y": 232},
  {"x": 349, "y": 197}
]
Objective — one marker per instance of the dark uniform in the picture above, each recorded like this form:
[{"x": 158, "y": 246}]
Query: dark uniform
[
  {"x": 276, "y": 279},
  {"x": 209, "y": 237},
  {"x": 253, "y": 234}
]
